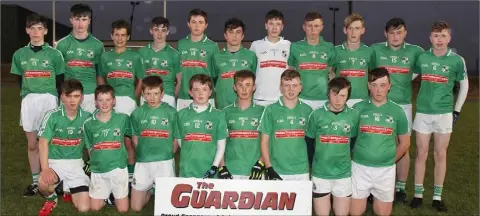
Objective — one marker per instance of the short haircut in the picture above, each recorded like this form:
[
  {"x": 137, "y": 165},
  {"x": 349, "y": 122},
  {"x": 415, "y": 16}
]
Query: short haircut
[
  {"x": 311, "y": 16},
  {"x": 69, "y": 86},
  {"x": 81, "y": 10},
  {"x": 160, "y": 21},
  {"x": 337, "y": 84},
  {"x": 378, "y": 73},
  {"x": 198, "y": 12},
  {"x": 119, "y": 24},
  {"x": 395, "y": 23},
  {"x": 274, "y": 14},
  {"x": 234, "y": 23},
  {"x": 104, "y": 89},
  {"x": 152, "y": 82},
  {"x": 202, "y": 79},
  {"x": 290, "y": 74},
  {"x": 352, "y": 18},
  {"x": 34, "y": 19},
  {"x": 439, "y": 26},
  {"x": 243, "y": 74}
]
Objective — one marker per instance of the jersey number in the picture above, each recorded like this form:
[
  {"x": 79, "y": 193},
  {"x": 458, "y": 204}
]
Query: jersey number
[
  {"x": 197, "y": 124},
  {"x": 153, "y": 121}
]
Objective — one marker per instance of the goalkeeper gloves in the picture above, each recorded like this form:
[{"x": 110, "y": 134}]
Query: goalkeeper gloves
[
  {"x": 211, "y": 172},
  {"x": 455, "y": 117},
  {"x": 257, "y": 171},
  {"x": 224, "y": 173},
  {"x": 86, "y": 168},
  {"x": 272, "y": 175}
]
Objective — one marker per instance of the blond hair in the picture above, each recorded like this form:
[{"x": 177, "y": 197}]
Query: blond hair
[{"x": 352, "y": 18}]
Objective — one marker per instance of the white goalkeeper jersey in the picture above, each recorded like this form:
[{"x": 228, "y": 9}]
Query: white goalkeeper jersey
[{"x": 272, "y": 61}]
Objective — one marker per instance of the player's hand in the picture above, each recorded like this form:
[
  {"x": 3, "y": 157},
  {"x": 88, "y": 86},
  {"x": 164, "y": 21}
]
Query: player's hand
[
  {"x": 455, "y": 117},
  {"x": 211, "y": 172},
  {"x": 224, "y": 173},
  {"x": 272, "y": 175},
  {"x": 86, "y": 168},
  {"x": 257, "y": 171},
  {"x": 48, "y": 176}
]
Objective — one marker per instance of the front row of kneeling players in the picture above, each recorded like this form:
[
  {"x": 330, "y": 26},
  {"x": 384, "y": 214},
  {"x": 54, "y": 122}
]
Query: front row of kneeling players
[{"x": 277, "y": 149}]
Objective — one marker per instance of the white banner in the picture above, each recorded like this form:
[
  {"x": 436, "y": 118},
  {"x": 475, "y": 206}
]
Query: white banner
[{"x": 190, "y": 196}]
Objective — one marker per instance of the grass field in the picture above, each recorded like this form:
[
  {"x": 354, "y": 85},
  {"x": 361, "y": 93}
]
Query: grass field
[{"x": 460, "y": 188}]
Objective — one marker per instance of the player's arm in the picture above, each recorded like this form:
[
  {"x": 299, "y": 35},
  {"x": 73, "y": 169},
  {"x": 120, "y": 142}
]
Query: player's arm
[
  {"x": 139, "y": 74},
  {"x": 221, "y": 131},
  {"x": 462, "y": 77},
  {"x": 292, "y": 61},
  {"x": 134, "y": 128},
  {"x": 97, "y": 61},
  {"x": 266, "y": 129},
  {"x": 175, "y": 132},
  {"x": 178, "y": 84},
  {"x": 332, "y": 63},
  {"x": 16, "y": 68},
  {"x": 59, "y": 67},
  {"x": 45, "y": 134},
  {"x": 403, "y": 135},
  {"x": 311, "y": 130},
  {"x": 178, "y": 132},
  {"x": 102, "y": 70}
]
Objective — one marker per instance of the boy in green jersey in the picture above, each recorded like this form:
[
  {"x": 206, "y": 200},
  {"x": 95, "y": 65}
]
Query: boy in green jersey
[
  {"x": 283, "y": 126},
  {"x": 196, "y": 56},
  {"x": 376, "y": 149},
  {"x": 61, "y": 150},
  {"x": 201, "y": 132},
  {"x": 103, "y": 136},
  {"x": 160, "y": 59},
  {"x": 154, "y": 125},
  {"x": 440, "y": 68},
  {"x": 333, "y": 126},
  {"x": 39, "y": 69},
  {"x": 232, "y": 58}
]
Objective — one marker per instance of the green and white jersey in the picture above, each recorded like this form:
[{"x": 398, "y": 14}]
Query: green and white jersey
[
  {"x": 81, "y": 57},
  {"x": 195, "y": 58},
  {"x": 375, "y": 145},
  {"x": 286, "y": 130},
  {"x": 105, "y": 140},
  {"x": 225, "y": 66},
  {"x": 354, "y": 65},
  {"x": 243, "y": 142},
  {"x": 63, "y": 135},
  {"x": 38, "y": 69},
  {"x": 439, "y": 75},
  {"x": 312, "y": 61},
  {"x": 400, "y": 65},
  {"x": 164, "y": 63},
  {"x": 199, "y": 133},
  {"x": 332, "y": 133},
  {"x": 155, "y": 129},
  {"x": 121, "y": 69}
]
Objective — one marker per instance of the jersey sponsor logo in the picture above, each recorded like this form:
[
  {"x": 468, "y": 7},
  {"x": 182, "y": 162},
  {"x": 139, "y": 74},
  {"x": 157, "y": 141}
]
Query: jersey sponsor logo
[
  {"x": 199, "y": 137},
  {"x": 312, "y": 66},
  {"x": 154, "y": 71},
  {"x": 289, "y": 134},
  {"x": 396, "y": 70},
  {"x": 434, "y": 78},
  {"x": 273, "y": 64},
  {"x": 107, "y": 145},
  {"x": 79, "y": 63},
  {"x": 243, "y": 134},
  {"x": 120, "y": 75},
  {"x": 66, "y": 142},
  {"x": 228, "y": 75},
  {"x": 155, "y": 133},
  {"x": 37, "y": 74},
  {"x": 376, "y": 129},
  {"x": 194, "y": 63},
  {"x": 352, "y": 73},
  {"x": 332, "y": 139}
]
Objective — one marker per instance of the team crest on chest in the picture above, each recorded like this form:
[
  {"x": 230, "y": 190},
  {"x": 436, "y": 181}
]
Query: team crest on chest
[
  {"x": 445, "y": 69},
  {"x": 284, "y": 54},
  {"x": 346, "y": 128},
  {"x": 129, "y": 64},
  {"x": 363, "y": 62},
  {"x": 244, "y": 63},
  {"x": 90, "y": 54},
  {"x": 116, "y": 132},
  {"x": 302, "y": 121},
  {"x": 323, "y": 56},
  {"x": 405, "y": 60},
  {"x": 203, "y": 53},
  {"x": 45, "y": 63},
  {"x": 209, "y": 125},
  {"x": 389, "y": 119},
  {"x": 254, "y": 122},
  {"x": 164, "y": 122},
  {"x": 164, "y": 63}
]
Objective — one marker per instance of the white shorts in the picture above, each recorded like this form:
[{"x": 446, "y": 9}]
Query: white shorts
[
  {"x": 314, "y": 104},
  {"x": 33, "y": 109},
  {"x": 115, "y": 181},
  {"x": 240, "y": 177},
  {"x": 146, "y": 173},
  {"x": 170, "y": 100},
  {"x": 379, "y": 181},
  {"x": 183, "y": 103},
  {"x": 125, "y": 104},
  {"x": 264, "y": 102},
  {"x": 407, "y": 108},
  {"x": 433, "y": 123},
  {"x": 70, "y": 171},
  {"x": 88, "y": 103},
  {"x": 338, "y": 187},
  {"x": 352, "y": 102},
  {"x": 296, "y": 177}
]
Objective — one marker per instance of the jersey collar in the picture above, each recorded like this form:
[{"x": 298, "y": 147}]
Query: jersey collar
[
  {"x": 94, "y": 115},
  {"x": 325, "y": 106},
  {"x": 279, "y": 39},
  {"x": 404, "y": 45},
  {"x": 209, "y": 108},
  {"x": 204, "y": 38},
  {"x": 45, "y": 45},
  {"x": 226, "y": 50},
  {"x": 149, "y": 45},
  {"x": 448, "y": 53},
  {"x": 320, "y": 41},
  {"x": 281, "y": 102},
  {"x": 64, "y": 113},
  {"x": 235, "y": 104},
  {"x": 344, "y": 46}
]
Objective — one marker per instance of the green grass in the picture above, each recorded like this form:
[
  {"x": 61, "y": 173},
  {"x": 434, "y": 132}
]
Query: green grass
[{"x": 460, "y": 188}]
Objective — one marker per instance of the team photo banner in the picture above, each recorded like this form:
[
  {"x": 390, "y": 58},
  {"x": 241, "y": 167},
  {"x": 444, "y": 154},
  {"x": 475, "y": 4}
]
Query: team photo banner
[{"x": 190, "y": 196}]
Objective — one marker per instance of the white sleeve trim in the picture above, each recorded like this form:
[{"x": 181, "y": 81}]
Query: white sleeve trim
[
  {"x": 220, "y": 151},
  {"x": 462, "y": 95}
]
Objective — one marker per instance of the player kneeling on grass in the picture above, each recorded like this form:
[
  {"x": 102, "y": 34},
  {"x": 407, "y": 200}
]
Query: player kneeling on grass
[
  {"x": 201, "y": 132},
  {"x": 61, "y": 150},
  {"x": 283, "y": 125},
  {"x": 376, "y": 151},
  {"x": 333, "y": 126},
  {"x": 153, "y": 130},
  {"x": 103, "y": 135},
  {"x": 243, "y": 142}
]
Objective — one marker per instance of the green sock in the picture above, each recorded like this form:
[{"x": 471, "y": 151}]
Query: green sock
[
  {"x": 52, "y": 197},
  {"x": 400, "y": 186},
  {"x": 419, "y": 190},
  {"x": 131, "y": 168},
  {"x": 437, "y": 192},
  {"x": 35, "y": 178}
]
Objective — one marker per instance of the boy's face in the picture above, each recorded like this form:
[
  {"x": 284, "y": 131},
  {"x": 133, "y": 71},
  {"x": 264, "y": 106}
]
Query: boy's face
[
  {"x": 379, "y": 89},
  {"x": 354, "y": 31},
  {"x": 396, "y": 37},
  {"x": 72, "y": 100},
  {"x": 234, "y": 37},
  {"x": 36, "y": 32},
  {"x": 80, "y": 23},
  {"x": 105, "y": 102},
  {"x": 120, "y": 37},
  {"x": 274, "y": 27},
  {"x": 290, "y": 88},
  {"x": 153, "y": 96},
  {"x": 313, "y": 28},
  {"x": 338, "y": 100},
  {"x": 197, "y": 25},
  {"x": 244, "y": 88},
  {"x": 159, "y": 33},
  {"x": 440, "y": 39},
  {"x": 200, "y": 93}
]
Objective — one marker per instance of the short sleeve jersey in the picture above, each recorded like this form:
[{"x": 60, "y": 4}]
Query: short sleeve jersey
[
  {"x": 312, "y": 61},
  {"x": 106, "y": 142},
  {"x": 243, "y": 142},
  {"x": 63, "y": 134},
  {"x": 354, "y": 65},
  {"x": 121, "y": 69},
  {"x": 400, "y": 65},
  {"x": 225, "y": 66},
  {"x": 332, "y": 133},
  {"x": 439, "y": 75},
  {"x": 38, "y": 69},
  {"x": 164, "y": 63},
  {"x": 375, "y": 145},
  {"x": 155, "y": 129},
  {"x": 81, "y": 56},
  {"x": 199, "y": 133},
  {"x": 286, "y": 130}
]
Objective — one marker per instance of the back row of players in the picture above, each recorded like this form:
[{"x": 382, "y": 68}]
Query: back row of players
[{"x": 80, "y": 56}]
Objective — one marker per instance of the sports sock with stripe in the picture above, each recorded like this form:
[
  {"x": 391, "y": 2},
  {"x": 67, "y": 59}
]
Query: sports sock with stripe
[
  {"x": 400, "y": 186},
  {"x": 419, "y": 190},
  {"x": 437, "y": 192},
  {"x": 35, "y": 178}
]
